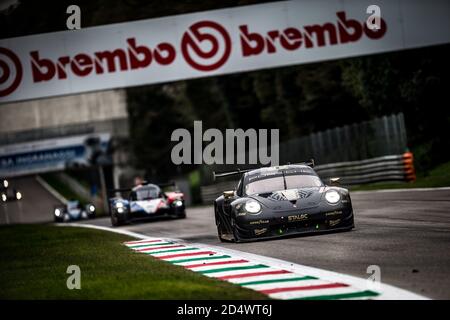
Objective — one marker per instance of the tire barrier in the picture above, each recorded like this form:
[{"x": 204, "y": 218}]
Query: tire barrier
[{"x": 380, "y": 169}]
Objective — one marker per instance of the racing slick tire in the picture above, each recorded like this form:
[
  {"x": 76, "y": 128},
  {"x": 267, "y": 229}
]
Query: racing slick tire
[
  {"x": 177, "y": 215},
  {"x": 181, "y": 215},
  {"x": 116, "y": 221},
  {"x": 222, "y": 231},
  {"x": 236, "y": 237},
  {"x": 59, "y": 219}
]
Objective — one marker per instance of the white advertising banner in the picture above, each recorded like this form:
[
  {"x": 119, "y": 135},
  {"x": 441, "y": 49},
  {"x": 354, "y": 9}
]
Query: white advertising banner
[
  {"x": 213, "y": 43},
  {"x": 51, "y": 155}
]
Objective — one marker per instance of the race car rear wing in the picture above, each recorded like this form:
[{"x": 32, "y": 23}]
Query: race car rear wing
[
  {"x": 166, "y": 184},
  {"x": 161, "y": 185},
  {"x": 229, "y": 173},
  {"x": 309, "y": 163}
]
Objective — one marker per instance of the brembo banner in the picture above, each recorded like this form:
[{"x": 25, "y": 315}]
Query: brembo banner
[{"x": 212, "y": 43}]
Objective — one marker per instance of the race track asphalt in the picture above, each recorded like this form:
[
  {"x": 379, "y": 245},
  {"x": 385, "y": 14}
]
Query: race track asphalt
[
  {"x": 36, "y": 206},
  {"x": 405, "y": 233}
]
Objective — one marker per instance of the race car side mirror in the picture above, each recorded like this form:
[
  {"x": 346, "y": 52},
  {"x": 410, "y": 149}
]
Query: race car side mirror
[
  {"x": 334, "y": 181},
  {"x": 228, "y": 194}
]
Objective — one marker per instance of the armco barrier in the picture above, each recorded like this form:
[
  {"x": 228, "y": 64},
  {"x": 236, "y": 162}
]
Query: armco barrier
[{"x": 380, "y": 169}]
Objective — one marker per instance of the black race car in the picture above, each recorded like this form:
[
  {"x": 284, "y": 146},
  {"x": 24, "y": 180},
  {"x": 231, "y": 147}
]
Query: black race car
[
  {"x": 9, "y": 194},
  {"x": 279, "y": 201},
  {"x": 146, "y": 201}
]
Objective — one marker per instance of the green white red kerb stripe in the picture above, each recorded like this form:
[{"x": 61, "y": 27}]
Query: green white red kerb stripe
[{"x": 275, "y": 278}]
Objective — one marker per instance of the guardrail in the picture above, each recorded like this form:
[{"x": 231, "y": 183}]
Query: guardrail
[
  {"x": 211, "y": 192},
  {"x": 379, "y": 169}
]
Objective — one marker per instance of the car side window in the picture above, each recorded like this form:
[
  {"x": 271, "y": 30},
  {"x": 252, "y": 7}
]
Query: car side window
[{"x": 239, "y": 187}]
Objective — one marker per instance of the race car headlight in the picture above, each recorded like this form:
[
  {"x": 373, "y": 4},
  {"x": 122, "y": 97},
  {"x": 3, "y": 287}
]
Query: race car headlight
[
  {"x": 5, "y": 183},
  {"x": 3, "y": 197},
  {"x": 178, "y": 203},
  {"x": 119, "y": 205},
  {"x": 252, "y": 206},
  {"x": 120, "y": 210},
  {"x": 332, "y": 196},
  {"x": 18, "y": 195},
  {"x": 57, "y": 212},
  {"x": 91, "y": 208}
]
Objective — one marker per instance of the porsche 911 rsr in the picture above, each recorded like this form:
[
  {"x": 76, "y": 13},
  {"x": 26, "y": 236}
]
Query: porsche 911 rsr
[
  {"x": 9, "y": 194},
  {"x": 145, "y": 202},
  {"x": 73, "y": 211},
  {"x": 279, "y": 201}
]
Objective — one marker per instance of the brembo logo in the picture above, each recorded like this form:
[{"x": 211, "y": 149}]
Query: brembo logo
[
  {"x": 10, "y": 72},
  {"x": 205, "y": 46},
  {"x": 346, "y": 31},
  {"x": 218, "y": 40}
]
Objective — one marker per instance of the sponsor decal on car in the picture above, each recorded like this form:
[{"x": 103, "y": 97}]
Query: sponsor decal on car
[
  {"x": 259, "y": 222},
  {"x": 149, "y": 206},
  {"x": 298, "y": 217},
  {"x": 332, "y": 223},
  {"x": 333, "y": 213},
  {"x": 260, "y": 231}
]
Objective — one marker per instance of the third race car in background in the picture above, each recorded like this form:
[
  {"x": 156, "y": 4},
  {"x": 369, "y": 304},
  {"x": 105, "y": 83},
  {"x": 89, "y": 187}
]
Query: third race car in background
[
  {"x": 278, "y": 201},
  {"x": 146, "y": 201},
  {"x": 9, "y": 193},
  {"x": 73, "y": 210}
]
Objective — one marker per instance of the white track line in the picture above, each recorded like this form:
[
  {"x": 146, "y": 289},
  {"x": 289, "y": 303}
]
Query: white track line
[{"x": 386, "y": 292}]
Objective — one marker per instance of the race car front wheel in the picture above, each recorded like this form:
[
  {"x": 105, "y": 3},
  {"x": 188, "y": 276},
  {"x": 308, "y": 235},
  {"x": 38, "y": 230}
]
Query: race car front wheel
[
  {"x": 181, "y": 215},
  {"x": 224, "y": 233},
  {"x": 236, "y": 237},
  {"x": 117, "y": 221},
  {"x": 59, "y": 219}
]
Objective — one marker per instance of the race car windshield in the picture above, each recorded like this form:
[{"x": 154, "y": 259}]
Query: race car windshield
[
  {"x": 72, "y": 205},
  {"x": 146, "y": 194},
  {"x": 273, "y": 184}
]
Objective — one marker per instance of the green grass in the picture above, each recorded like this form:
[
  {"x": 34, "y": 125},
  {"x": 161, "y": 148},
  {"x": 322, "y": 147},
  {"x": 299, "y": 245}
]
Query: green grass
[
  {"x": 438, "y": 177},
  {"x": 34, "y": 260}
]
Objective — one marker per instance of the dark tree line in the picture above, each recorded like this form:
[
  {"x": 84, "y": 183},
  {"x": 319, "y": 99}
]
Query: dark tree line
[{"x": 300, "y": 100}]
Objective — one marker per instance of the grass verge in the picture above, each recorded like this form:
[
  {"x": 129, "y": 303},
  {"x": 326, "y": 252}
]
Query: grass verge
[
  {"x": 438, "y": 177},
  {"x": 34, "y": 260}
]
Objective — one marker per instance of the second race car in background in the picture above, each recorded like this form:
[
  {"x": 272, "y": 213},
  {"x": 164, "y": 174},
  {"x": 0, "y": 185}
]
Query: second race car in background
[{"x": 146, "y": 201}]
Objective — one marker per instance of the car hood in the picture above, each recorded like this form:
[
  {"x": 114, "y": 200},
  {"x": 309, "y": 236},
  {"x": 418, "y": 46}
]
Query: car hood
[
  {"x": 286, "y": 199},
  {"x": 74, "y": 213}
]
